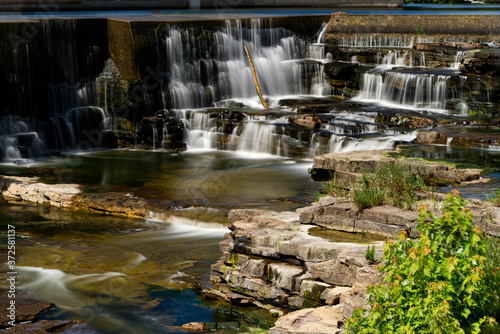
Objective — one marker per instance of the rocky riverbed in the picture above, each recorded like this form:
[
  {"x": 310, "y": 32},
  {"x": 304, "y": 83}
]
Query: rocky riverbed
[
  {"x": 307, "y": 267},
  {"x": 279, "y": 261}
]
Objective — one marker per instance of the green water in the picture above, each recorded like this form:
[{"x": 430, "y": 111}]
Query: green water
[{"x": 136, "y": 275}]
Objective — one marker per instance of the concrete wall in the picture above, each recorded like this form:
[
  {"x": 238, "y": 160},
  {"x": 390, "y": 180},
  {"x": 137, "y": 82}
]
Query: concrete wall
[
  {"x": 415, "y": 24},
  {"x": 54, "y": 5}
]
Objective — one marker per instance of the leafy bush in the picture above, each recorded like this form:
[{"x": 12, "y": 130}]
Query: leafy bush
[
  {"x": 434, "y": 283},
  {"x": 491, "y": 279}
]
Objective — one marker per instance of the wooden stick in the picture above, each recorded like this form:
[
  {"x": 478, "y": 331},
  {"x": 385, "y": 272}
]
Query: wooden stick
[{"x": 255, "y": 82}]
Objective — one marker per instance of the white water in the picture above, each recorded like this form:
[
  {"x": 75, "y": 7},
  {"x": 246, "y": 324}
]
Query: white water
[
  {"x": 389, "y": 86},
  {"x": 458, "y": 58},
  {"x": 406, "y": 90},
  {"x": 322, "y": 32},
  {"x": 214, "y": 67}
]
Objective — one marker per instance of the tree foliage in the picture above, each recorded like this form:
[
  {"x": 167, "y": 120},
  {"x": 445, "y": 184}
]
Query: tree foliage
[{"x": 433, "y": 284}]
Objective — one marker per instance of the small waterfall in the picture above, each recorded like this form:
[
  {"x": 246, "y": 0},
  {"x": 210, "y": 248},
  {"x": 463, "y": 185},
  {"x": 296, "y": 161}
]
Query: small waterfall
[
  {"x": 458, "y": 58},
  {"x": 399, "y": 58},
  {"x": 410, "y": 90},
  {"x": 202, "y": 132},
  {"x": 322, "y": 32},
  {"x": 258, "y": 138},
  {"x": 377, "y": 41}
]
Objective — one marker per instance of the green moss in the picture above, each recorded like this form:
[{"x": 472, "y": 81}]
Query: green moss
[{"x": 234, "y": 259}]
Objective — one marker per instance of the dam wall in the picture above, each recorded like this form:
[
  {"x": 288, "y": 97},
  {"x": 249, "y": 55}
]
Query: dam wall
[{"x": 41, "y": 5}]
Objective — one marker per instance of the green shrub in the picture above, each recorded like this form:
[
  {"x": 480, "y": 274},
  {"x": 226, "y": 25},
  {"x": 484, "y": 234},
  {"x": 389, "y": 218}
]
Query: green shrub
[
  {"x": 434, "y": 283},
  {"x": 368, "y": 194},
  {"x": 491, "y": 279},
  {"x": 390, "y": 184},
  {"x": 335, "y": 187},
  {"x": 494, "y": 197},
  {"x": 370, "y": 254}
]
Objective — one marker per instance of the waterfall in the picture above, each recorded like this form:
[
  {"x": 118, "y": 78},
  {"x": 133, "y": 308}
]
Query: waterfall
[
  {"x": 205, "y": 67},
  {"x": 408, "y": 90},
  {"x": 377, "y": 41},
  {"x": 458, "y": 58},
  {"x": 322, "y": 32},
  {"x": 257, "y": 138}
]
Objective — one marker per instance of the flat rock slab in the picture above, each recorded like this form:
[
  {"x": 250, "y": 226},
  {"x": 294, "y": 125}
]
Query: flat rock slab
[
  {"x": 321, "y": 320},
  {"x": 53, "y": 326},
  {"x": 369, "y": 161},
  {"x": 27, "y": 308},
  {"x": 29, "y": 189}
]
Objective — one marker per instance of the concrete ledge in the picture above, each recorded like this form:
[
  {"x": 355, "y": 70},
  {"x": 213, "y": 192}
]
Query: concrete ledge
[
  {"x": 63, "y": 5},
  {"x": 416, "y": 25}
]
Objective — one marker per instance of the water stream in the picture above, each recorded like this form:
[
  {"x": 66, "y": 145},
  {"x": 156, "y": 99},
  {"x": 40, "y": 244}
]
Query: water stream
[{"x": 136, "y": 275}]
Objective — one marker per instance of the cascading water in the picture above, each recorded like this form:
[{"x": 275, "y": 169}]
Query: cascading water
[
  {"x": 205, "y": 69},
  {"x": 56, "y": 114},
  {"x": 458, "y": 58},
  {"x": 406, "y": 90},
  {"x": 209, "y": 67},
  {"x": 401, "y": 81}
]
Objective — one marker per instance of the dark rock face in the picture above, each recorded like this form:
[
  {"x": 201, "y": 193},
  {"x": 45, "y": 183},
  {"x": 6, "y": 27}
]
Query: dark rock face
[
  {"x": 340, "y": 70},
  {"x": 165, "y": 133},
  {"x": 26, "y": 308},
  {"x": 53, "y": 326},
  {"x": 482, "y": 62}
]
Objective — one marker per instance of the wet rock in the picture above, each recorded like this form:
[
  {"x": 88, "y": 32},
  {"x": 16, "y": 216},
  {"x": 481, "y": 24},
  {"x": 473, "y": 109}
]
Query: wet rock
[
  {"x": 313, "y": 109},
  {"x": 53, "y": 326},
  {"x": 307, "y": 121},
  {"x": 435, "y": 47},
  {"x": 26, "y": 308},
  {"x": 404, "y": 121},
  {"x": 116, "y": 204},
  {"x": 159, "y": 132},
  {"x": 194, "y": 326},
  {"x": 340, "y": 70},
  {"x": 431, "y": 137},
  {"x": 29, "y": 189},
  {"x": 482, "y": 62},
  {"x": 321, "y": 320}
]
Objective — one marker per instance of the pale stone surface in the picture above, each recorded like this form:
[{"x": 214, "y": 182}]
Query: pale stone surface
[
  {"x": 352, "y": 303},
  {"x": 284, "y": 276},
  {"x": 321, "y": 320},
  {"x": 312, "y": 289},
  {"x": 337, "y": 295},
  {"x": 334, "y": 272},
  {"x": 29, "y": 189}
]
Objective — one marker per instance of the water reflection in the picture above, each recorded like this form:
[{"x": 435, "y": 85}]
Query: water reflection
[{"x": 136, "y": 275}]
